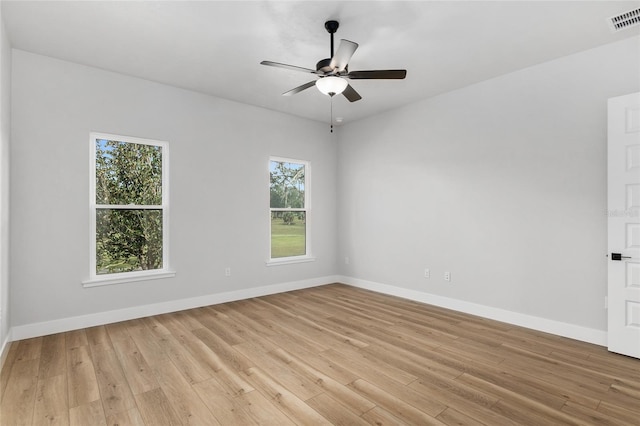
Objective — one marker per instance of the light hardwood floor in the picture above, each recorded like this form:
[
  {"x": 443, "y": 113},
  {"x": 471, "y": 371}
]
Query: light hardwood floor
[{"x": 326, "y": 355}]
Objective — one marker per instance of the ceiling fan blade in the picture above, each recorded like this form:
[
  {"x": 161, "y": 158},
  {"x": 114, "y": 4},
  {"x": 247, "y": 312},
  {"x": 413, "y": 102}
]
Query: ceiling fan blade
[
  {"x": 377, "y": 74},
  {"x": 299, "y": 88},
  {"x": 343, "y": 55},
  {"x": 286, "y": 66},
  {"x": 351, "y": 94}
]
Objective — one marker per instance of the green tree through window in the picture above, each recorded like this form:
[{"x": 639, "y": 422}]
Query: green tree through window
[
  {"x": 288, "y": 202},
  {"x": 129, "y": 205}
]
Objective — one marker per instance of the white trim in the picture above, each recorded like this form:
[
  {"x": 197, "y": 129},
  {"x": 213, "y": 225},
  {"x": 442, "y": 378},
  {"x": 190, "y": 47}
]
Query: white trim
[
  {"x": 4, "y": 349},
  {"x": 307, "y": 257},
  {"x": 118, "y": 278},
  {"x": 571, "y": 331},
  {"x": 559, "y": 328},
  {"x": 289, "y": 260},
  {"x": 129, "y": 139},
  {"x": 128, "y": 207},
  {"x": 44, "y": 328},
  {"x": 127, "y": 277}
]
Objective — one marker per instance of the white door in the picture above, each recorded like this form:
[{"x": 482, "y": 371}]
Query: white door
[{"x": 624, "y": 224}]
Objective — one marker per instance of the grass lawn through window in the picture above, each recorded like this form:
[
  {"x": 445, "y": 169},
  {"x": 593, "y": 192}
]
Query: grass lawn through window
[{"x": 287, "y": 239}]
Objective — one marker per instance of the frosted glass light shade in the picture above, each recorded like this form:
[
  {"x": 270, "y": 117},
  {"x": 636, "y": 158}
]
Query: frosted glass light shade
[{"x": 331, "y": 85}]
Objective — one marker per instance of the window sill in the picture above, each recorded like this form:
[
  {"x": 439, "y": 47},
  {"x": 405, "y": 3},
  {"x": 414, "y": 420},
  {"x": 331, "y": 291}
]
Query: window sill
[
  {"x": 290, "y": 260},
  {"x": 127, "y": 278}
]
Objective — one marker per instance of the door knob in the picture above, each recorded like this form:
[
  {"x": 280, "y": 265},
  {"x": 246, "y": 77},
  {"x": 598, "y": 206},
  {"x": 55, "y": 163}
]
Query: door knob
[{"x": 619, "y": 256}]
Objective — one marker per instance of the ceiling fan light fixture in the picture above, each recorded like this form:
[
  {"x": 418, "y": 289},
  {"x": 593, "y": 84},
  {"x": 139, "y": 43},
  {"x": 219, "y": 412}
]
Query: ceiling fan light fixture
[{"x": 331, "y": 85}]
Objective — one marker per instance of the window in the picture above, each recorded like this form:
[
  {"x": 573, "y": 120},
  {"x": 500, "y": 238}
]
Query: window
[
  {"x": 129, "y": 209},
  {"x": 289, "y": 210}
]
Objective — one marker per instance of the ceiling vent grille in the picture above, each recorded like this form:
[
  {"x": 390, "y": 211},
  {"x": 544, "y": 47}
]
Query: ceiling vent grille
[{"x": 625, "y": 20}]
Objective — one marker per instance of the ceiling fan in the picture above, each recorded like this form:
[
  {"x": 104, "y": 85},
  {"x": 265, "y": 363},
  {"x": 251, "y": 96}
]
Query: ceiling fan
[{"x": 333, "y": 71}]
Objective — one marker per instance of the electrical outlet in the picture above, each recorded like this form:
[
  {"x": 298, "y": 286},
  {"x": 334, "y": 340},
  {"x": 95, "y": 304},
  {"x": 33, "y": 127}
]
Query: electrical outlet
[
  {"x": 227, "y": 272},
  {"x": 447, "y": 276},
  {"x": 427, "y": 273},
  {"x": 346, "y": 260}
]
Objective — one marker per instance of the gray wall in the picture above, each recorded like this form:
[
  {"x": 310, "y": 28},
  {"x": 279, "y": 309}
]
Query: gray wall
[
  {"x": 219, "y": 199},
  {"x": 502, "y": 183},
  {"x": 5, "y": 132}
]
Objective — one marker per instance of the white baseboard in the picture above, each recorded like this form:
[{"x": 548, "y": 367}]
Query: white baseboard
[
  {"x": 563, "y": 329},
  {"x": 572, "y": 331},
  {"x": 4, "y": 349},
  {"x": 74, "y": 323}
]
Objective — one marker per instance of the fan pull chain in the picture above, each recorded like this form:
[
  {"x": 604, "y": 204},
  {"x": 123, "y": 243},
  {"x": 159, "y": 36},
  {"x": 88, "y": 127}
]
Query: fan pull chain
[{"x": 331, "y": 114}]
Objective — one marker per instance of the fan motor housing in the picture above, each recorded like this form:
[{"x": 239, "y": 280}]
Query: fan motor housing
[
  {"x": 331, "y": 26},
  {"x": 324, "y": 66}
]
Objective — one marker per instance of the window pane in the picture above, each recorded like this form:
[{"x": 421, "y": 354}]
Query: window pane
[
  {"x": 287, "y": 185},
  {"x": 288, "y": 234},
  {"x": 128, "y": 240},
  {"x": 128, "y": 173}
]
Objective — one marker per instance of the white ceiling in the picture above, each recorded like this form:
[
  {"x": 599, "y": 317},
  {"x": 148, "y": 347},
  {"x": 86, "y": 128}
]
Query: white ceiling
[{"x": 215, "y": 47}]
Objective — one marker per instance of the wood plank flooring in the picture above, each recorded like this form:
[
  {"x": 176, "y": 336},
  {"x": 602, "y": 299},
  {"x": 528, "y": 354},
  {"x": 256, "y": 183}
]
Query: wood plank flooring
[{"x": 326, "y": 355}]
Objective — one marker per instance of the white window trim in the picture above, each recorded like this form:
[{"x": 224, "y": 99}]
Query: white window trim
[
  {"x": 124, "y": 277},
  {"x": 307, "y": 257},
  {"x": 128, "y": 277},
  {"x": 290, "y": 260}
]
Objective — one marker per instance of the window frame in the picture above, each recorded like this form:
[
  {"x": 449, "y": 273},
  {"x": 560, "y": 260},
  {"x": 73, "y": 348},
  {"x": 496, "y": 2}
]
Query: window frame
[
  {"x": 307, "y": 257},
  {"x": 96, "y": 279}
]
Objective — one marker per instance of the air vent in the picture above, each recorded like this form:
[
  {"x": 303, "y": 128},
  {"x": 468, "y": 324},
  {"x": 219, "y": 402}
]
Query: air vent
[{"x": 624, "y": 20}]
